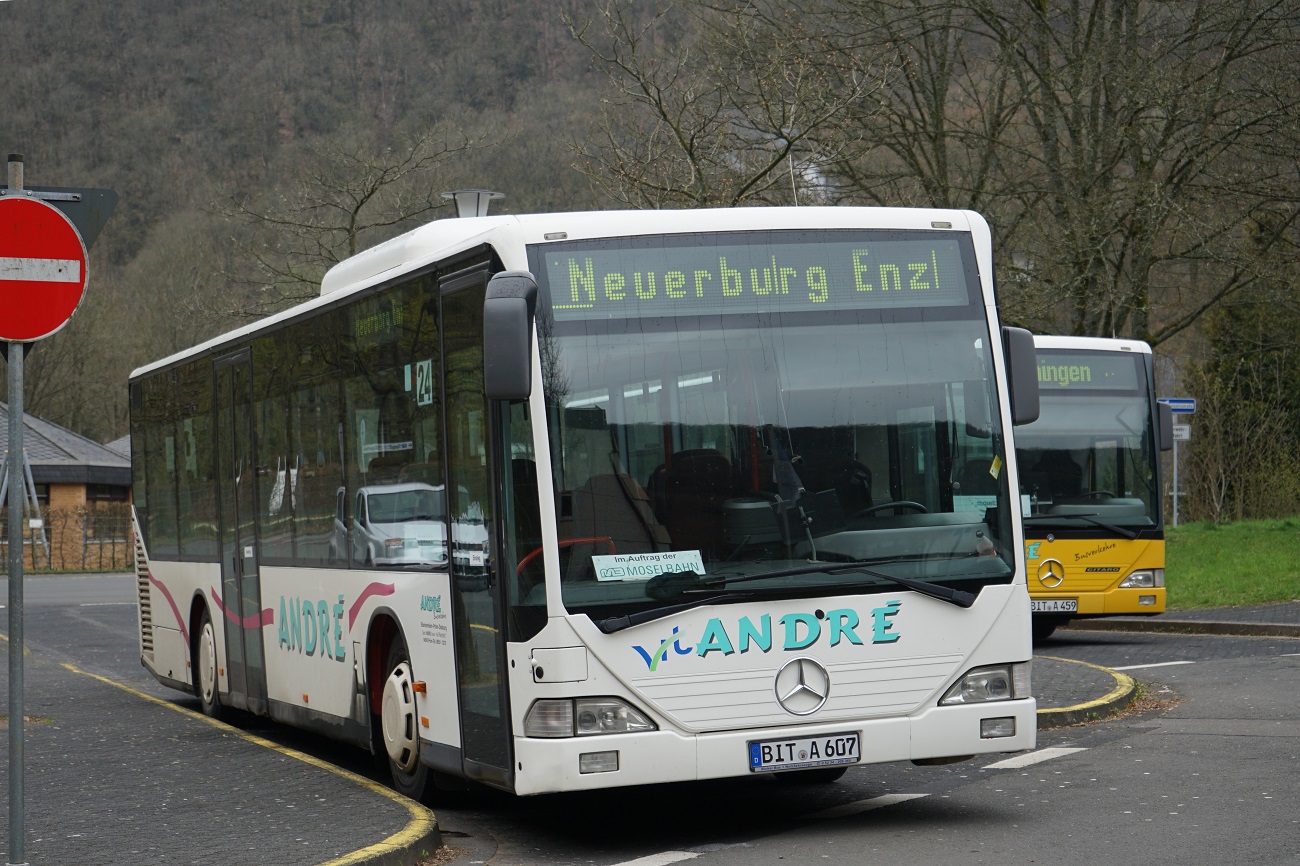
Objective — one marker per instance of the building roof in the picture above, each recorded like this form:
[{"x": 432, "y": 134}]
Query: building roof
[{"x": 59, "y": 456}]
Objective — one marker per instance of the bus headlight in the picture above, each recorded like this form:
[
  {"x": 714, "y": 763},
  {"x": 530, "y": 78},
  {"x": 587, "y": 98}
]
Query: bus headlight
[
  {"x": 1148, "y": 579},
  {"x": 583, "y": 717},
  {"x": 993, "y": 683}
]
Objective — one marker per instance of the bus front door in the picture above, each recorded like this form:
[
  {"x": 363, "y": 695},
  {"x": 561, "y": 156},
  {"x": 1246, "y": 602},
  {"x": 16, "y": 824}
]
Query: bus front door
[
  {"x": 476, "y": 587},
  {"x": 241, "y": 592}
]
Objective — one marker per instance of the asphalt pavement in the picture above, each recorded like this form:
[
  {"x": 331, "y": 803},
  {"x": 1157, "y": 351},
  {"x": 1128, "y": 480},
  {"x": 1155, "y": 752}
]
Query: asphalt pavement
[{"x": 113, "y": 774}]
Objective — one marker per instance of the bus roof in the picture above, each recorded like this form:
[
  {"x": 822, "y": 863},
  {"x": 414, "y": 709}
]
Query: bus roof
[
  {"x": 1092, "y": 344},
  {"x": 510, "y": 235}
]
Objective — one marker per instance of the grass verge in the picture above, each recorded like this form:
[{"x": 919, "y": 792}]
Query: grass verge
[{"x": 1252, "y": 562}]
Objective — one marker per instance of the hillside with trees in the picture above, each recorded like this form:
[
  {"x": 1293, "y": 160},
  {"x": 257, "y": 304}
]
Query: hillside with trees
[{"x": 1137, "y": 160}]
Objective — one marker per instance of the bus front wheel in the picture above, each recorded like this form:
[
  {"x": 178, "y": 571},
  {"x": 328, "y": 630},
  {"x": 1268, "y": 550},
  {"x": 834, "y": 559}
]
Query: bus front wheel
[
  {"x": 400, "y": 725},
  {"x": 204, "y": 662}
]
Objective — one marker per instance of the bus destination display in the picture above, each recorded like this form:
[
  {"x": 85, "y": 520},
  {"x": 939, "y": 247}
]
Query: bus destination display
[
  {"x": 1086, "y": 371},
  {"x": 765, "y": 275}
]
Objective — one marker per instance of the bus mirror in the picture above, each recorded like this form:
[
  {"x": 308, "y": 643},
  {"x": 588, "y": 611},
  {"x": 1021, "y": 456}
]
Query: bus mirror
[
  {"x": 1022, "y": 373},
  {"x": 508, "y": 312},
  {"x": 1166, "y": 425}
]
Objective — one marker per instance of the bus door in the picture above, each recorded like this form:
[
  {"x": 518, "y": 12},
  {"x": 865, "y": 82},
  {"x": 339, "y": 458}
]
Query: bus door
[
  {"x": 477, "y": 588},
  {"x": 241, "y": 592}
]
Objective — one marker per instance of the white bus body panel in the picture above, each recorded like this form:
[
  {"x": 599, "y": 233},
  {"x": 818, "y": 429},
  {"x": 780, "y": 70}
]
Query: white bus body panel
[
  {"x": 709, "y": 707},
  {"x": 173, "y": 586},
  {"x": 323, "y": 673}
]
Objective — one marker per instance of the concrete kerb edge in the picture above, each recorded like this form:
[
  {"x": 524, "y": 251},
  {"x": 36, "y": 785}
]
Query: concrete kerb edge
[
  {"x": 1187, "y": 626},
  {"x": 417, "y": 841},
  {"x": 1124, "y": 693}
]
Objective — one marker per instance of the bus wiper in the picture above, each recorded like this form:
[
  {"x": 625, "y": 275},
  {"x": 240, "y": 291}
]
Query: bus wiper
[
  {"x": 678, "y": 583},
  {"x": 1088, "y": 518},
  {"x": 611, "y": 624}
]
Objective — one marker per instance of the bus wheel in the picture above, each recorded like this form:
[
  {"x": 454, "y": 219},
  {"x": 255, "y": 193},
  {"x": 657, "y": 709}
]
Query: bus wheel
[
  {"x": 1043, "y": 626},
  {"x": 204, "y": 662},
  {"x": 400, "y": 724}
]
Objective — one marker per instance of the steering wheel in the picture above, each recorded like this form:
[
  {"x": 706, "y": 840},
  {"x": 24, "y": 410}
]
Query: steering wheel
[
  {"x": 1096, "y": 494},
  {"x": 899, "y": 503}
]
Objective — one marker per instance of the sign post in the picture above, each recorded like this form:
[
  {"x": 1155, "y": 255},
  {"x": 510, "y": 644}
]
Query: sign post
[
  {"x": 42, "y": 280},
  {"x": 1182, "y": 433}
]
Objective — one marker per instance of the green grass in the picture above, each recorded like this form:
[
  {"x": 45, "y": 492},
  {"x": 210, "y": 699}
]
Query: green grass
[{"x": 1252, "y": 562}]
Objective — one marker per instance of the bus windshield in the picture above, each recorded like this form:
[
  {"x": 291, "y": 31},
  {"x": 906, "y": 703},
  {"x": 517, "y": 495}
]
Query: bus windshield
[
  {"x": 701, "y": 437},
  {"x": 1091, "y": 455}
]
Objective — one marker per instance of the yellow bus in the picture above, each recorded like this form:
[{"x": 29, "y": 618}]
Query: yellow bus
[{"x": 1090, "y": 487}]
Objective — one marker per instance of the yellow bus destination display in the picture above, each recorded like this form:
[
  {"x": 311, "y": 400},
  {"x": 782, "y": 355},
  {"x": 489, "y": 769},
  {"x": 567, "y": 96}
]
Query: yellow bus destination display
[
  {"x": 1087, "y": 371},
  {"x": 764, "y": 275}
]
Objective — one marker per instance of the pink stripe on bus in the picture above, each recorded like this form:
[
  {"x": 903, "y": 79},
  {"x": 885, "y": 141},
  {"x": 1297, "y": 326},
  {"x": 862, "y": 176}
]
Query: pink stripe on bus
[
  {"x": 180, "y": 621},
  {"x": 372, "y": 589},
  {"x": 254, "y": 620}
]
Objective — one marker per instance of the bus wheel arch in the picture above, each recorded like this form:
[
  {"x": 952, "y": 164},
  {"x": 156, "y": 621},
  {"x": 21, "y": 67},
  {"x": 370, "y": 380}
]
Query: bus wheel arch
[
  {"x": 397, "y": 728},
  {"x": 203, "y": 659}
]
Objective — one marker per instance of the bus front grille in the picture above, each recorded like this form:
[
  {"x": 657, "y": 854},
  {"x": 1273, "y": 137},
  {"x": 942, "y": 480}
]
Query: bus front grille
[{"x": 728, "y": 700}]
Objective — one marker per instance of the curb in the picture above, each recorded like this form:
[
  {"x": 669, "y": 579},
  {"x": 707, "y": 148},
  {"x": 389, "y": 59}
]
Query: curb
[
  {"x": 1187, "y": 626},
  {"x": 1124, "y": 693}
]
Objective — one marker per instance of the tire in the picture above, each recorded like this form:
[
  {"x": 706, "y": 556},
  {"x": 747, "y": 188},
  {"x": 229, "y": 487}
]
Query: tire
[
  {"x": 1043, "y": 626},
  {"x": 816, "y": 776},
  {"x": 400, "y": 728},
  {"x": 204, "y": 664}
]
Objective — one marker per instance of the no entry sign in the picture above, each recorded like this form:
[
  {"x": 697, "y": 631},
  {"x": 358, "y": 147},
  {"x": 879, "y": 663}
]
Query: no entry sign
[{"x": 42, "y": 269}]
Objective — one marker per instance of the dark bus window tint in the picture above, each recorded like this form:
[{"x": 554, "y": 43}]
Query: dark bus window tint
[
  {"x": 274, "y": 357},
  {"x": 197, "y": 499},
  {"x": 160, "y": 470},
  {"x": 315, "y": 473},
  {"x": 139, "y": 490},
  {"x": 394, "y": 464}
]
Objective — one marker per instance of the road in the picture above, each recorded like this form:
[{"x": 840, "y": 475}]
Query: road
[{"x": 1209, "y": 773}]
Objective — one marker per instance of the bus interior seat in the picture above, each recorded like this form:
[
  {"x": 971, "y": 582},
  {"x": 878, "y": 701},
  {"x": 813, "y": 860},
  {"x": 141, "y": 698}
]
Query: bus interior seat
[
  {"x": 387, "y": 468},
  {"x": 696, "y": 483},
  {"x": 614, "y": 506}
]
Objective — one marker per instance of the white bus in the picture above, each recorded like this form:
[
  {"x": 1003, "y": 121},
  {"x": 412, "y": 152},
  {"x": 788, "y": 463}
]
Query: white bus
[{"x": 582, "y": 500}]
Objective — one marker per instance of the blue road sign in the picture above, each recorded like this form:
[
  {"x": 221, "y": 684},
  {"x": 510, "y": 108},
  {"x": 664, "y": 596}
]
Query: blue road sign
[{"x": 1180, "y": 405}]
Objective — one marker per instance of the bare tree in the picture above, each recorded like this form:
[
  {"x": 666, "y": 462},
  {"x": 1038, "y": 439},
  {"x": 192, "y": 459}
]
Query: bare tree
[
  {"x": 1136, "y": 157},
  {"x": 1124, "y": 149},
  {"x": 336, "y": 200},
  {"x": 717, "y": 105}
]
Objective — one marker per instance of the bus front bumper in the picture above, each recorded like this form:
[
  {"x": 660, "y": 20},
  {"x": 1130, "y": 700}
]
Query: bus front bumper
[
  {"x": 1116, "y": 602},
  {"x": 551, "y": 765}
]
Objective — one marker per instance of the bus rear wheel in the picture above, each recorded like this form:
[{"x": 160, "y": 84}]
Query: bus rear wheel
[
  {"x": 203, "y": 660},
  {"x": 399, "y": 723}
]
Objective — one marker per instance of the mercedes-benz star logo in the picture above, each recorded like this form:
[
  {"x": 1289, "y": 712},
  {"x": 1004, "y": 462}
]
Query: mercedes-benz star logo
[
  {"x": 802, "y": 686},
  {"x": 1051, "y": 573}
]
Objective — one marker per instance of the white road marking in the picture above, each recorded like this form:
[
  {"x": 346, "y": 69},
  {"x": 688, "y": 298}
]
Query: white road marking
[
  {"x": 1154, "y": 665},
  {"x": 662, "y": 859},
  {"x": 865, "y": 805},
  {"x": 104, "y": 603},
  {"x": 1030, "y": 758}
]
